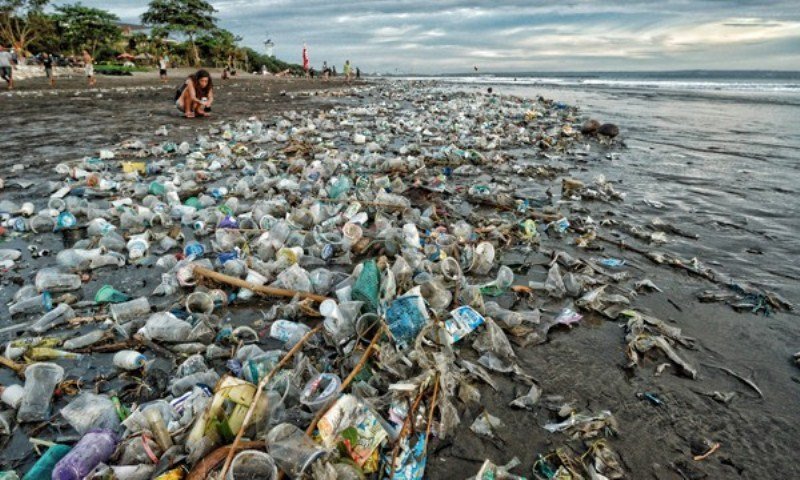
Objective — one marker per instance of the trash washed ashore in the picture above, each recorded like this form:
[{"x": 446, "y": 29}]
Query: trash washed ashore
[{"x": 332, "y": 293}]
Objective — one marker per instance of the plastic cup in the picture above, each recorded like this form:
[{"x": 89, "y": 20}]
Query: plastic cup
[
  {"x": 41, "y": 380},
  {"x": 292, "y": 449},
  {"x": 200, "y": 302},
  {"x": 252, "y": 465},
  {"x": 320, "y": 391}
]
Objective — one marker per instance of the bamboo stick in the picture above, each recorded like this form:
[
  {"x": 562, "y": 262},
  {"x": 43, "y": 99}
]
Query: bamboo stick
[
  {"x": 261, "y": 289},
  {"x": 257, "y": 396},
  {"x": 346, "y": 383}
]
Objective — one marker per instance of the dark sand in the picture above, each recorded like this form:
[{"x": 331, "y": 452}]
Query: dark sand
[{"x": 759, "y": 437}]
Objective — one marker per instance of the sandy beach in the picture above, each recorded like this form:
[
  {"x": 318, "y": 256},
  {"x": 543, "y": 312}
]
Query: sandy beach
[{"x": 586, "y": 364}]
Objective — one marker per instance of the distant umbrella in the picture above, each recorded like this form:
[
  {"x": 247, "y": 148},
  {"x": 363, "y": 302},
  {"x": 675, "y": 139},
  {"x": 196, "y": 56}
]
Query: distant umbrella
[{"x": 125, "y": 56}]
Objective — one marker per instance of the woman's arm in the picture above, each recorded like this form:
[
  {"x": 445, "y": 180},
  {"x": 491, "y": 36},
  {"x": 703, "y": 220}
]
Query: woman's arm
[
  {"x": 210, "y": 97},
  {"x": 192, "y": 92}
]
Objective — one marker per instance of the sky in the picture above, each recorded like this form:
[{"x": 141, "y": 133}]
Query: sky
[{"x": 451, "y": 36}]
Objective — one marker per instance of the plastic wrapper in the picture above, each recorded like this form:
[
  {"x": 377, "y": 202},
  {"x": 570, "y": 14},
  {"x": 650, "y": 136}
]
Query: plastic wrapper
[
  {"x": 486, "y": 425},
  {"x": 351, "y": 417},
  {"x": 88, "y": 411}
]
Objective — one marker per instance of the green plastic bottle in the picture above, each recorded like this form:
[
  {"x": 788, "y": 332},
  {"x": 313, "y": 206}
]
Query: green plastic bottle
[{"x": 43, "y": 468}]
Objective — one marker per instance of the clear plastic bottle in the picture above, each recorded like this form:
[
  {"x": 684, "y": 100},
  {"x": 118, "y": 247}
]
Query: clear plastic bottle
[
  {"x": 61, "y": 314},
  {"x": 127, "y": 311},
  {"x": 54, "y": 281},
  {"x": 35, "y": 304},
  {"x": 166, "y": 327}
]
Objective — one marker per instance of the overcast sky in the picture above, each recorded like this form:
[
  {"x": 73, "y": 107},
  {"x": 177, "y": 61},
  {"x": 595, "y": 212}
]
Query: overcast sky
[{"x": 416, "y": 36}]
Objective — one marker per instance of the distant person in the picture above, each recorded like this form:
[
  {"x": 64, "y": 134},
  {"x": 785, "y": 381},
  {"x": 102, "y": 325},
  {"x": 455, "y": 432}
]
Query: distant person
[
  {"x": 196, "y": 95},
  {"x": 226, "y": 73},
  {"x": 333, "y": 71},
  {"x": 358, "y": 73},
  {"x": 88, "y": 68},
  {"x": 163, "y": 64},
  {"x": 47, "y": 63},
  {"x": 6, "y": 67},
  {"x": 348, "y": 71},
  {"x": 326, "y": 72}
]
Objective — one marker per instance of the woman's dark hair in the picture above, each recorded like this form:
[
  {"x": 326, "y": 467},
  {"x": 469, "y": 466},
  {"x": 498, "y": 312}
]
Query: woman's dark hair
[{"x": 202, "y": 92}]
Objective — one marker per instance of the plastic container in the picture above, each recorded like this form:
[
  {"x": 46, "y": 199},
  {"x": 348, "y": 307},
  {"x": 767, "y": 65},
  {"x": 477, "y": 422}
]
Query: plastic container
[
  {"x": 131, "y": 310},
  {"x": 41, "y": 380},
  {"x": 94, "y": 448},
  {"x": 292, "y": 450},
  {"x": 129, "y": 360},
  {"x": 43, "y": 468},
  {"x": 252, "y": 465}
]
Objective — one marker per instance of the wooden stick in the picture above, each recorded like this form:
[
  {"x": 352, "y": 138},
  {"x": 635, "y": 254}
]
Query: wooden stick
[
  {"x": 430, "y": 412},
  {"x": 713, "y": 449},
  {"x": 204, "y": 466},
  {"x": 346, "y": 383},
  {"x": 257, "y": 396},
  {"x": 404, "y": 431},
  {"x": 269, "y": 291}
]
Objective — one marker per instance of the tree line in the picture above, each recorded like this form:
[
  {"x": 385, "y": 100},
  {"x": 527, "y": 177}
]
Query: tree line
[{"x": 184, "y": 30}]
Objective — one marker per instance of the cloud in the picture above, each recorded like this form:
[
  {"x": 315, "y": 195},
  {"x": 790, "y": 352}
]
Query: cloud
[{"x": 417, "y": 36}]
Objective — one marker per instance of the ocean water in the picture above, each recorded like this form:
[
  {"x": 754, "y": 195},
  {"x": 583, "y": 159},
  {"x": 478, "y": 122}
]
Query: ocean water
[{"x": 719, "y": 152}]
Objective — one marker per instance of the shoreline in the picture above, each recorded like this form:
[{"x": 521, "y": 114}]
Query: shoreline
[{"x": 582, "y": 364}]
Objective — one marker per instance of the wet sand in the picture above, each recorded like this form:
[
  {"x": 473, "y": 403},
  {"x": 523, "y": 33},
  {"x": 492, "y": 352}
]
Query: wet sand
[{"x": 759, "y": 438}]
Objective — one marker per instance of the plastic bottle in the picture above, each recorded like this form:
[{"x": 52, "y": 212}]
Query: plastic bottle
[
  {"x": 77, "y": 259},
  {"x": 166, "y": 327},
  {"x": 53, "y": 281},
  {"x": 41, "y": 380},
  {"x": 38, "y": 303},
  {"x": 94, "y": 448},
  {"x": 61, "y": 314},
  {"x": 127, "y": 311},
  {"x": 85, "y": 340},
  {"x": 129, "y": 360},
  {"x": 158, "y": 428},
  {"x": 43, "y": 468}
]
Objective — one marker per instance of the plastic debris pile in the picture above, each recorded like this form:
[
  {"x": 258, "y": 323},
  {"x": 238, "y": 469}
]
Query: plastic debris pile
[{"x": 318, "y": 295}]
